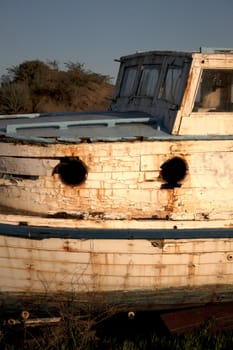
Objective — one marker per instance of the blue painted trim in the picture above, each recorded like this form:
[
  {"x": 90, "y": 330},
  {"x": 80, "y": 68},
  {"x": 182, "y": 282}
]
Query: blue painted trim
[{"x": 42, "y": 232}]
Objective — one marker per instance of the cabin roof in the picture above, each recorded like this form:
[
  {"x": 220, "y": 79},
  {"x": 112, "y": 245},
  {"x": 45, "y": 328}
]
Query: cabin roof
[
  {"x": 156, "y": 53},
  {"x": 180, "y": 53}
]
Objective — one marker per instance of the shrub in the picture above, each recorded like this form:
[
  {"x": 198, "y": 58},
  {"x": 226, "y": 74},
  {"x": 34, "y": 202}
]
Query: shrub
[
  {"x": 35, "y": 86},
  {"x": 14, "y": 98}
]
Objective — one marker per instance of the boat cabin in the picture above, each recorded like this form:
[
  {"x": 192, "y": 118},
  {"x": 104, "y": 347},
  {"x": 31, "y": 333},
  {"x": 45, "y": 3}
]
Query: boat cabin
[{"x": 188, "y": 93}]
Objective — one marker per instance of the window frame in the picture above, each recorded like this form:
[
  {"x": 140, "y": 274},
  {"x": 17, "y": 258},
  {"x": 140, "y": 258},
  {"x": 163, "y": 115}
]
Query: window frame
[{"x": 211, "y": 109}]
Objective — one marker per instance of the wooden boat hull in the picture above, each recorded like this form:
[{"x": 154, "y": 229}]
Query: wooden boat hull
[{"x": 128, "y": 268}]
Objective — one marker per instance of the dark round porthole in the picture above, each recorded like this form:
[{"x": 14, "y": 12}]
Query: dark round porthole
[
  {"x": 72, "y": 171},
  {"x": 173, "y": 171}
]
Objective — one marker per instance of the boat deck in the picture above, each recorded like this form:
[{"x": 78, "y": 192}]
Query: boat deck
[{"x": 78, "y": 126}]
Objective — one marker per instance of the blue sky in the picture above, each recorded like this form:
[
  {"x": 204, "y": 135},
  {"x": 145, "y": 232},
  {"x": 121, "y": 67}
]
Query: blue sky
[{"x": 95, "y": 32}]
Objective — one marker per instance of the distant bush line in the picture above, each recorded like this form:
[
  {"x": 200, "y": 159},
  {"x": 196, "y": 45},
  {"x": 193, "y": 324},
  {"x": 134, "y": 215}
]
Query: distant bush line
[{"x": 37, "y": 87}]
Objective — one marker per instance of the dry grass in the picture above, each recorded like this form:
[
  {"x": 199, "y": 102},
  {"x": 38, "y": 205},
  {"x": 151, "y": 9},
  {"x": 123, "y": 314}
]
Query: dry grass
[{"x": 104, "y": 331}]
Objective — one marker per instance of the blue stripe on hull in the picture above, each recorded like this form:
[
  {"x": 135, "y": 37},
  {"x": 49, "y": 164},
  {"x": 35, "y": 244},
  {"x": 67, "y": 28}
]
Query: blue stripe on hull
[{"x": 42, "y": 232}]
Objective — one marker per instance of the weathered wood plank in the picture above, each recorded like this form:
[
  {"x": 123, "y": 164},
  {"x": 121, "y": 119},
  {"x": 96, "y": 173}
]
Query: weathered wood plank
[
  {"x": 27, "y": 166},
  {"x": 212, "y": 123},
  {"x": 152, "y": 247},
  {"x": 17, "y": 218},
  {"x": 165, "y": 147},
  {"x": 49, "y": 281},
  {"x": 132, "y": 269},
  {"x": 216, "y": 247}
]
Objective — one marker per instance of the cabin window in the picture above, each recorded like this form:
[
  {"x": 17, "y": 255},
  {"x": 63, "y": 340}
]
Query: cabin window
[
  {"x": 128, "y": 82},
  {"x": 215, "y": 92},
  {"x": 148, "y": 81},
  {"x": 172, "y": 84}
]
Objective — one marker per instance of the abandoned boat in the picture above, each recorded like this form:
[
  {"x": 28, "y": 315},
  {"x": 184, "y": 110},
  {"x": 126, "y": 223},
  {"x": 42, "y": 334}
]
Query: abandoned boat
[{"x": 132, "y": 206}]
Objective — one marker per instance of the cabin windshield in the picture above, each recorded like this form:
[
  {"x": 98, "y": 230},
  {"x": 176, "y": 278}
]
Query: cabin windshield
[
  {"x": 215, "y": 92},
  {"x": 127, "y": 86},
  {"x": 148, "y": 80},
  {"x": 171, "y": 88},
  {"x": 140, "y": 81}
]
